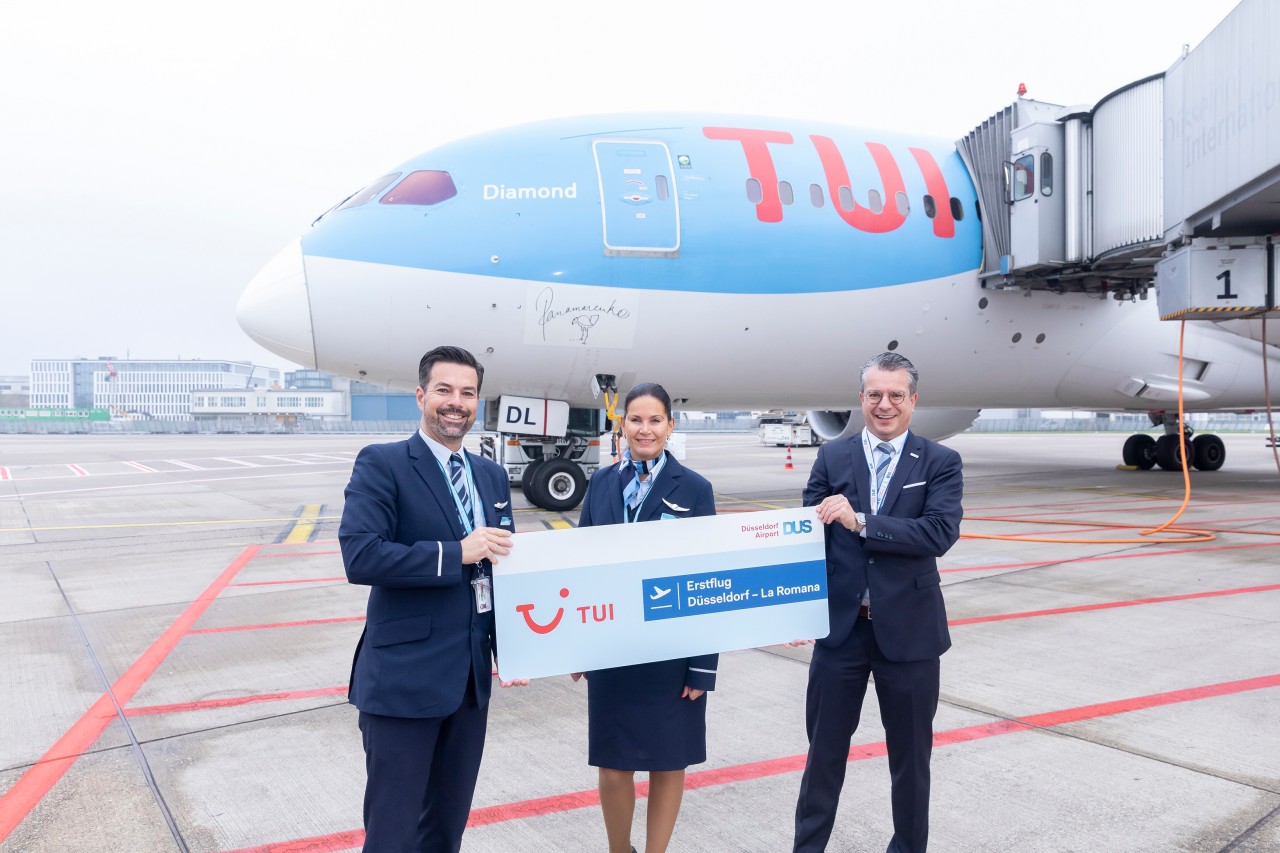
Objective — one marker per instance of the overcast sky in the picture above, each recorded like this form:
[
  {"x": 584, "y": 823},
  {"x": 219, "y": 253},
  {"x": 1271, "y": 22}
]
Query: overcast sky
[{"x": 154, "y": 155}]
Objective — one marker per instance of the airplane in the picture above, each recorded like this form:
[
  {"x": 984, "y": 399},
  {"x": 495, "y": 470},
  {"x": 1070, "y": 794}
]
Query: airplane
[{"x": 743, "y": 262}]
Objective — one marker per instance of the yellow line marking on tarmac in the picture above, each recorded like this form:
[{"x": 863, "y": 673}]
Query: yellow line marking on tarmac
[
  {"x": 304, "y": 526},
  {"x": 728, "y": 499},
  {"x": 560, "y": 524},
  {"x": 160, "y": 524}
]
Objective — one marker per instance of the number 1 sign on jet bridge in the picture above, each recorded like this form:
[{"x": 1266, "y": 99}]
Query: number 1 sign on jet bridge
[{"x": 597, "y": 597}]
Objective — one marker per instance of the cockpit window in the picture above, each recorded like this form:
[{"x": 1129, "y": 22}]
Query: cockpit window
[
  {"x": 370, "y": 191},
  {"x": 425, "y": 187}
]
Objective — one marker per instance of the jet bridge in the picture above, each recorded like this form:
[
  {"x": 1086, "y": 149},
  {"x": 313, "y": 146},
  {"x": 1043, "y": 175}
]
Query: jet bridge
[{"x": 1172, "y": 182}]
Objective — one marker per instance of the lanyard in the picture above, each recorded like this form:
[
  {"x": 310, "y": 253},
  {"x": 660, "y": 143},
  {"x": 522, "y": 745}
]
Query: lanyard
[
  {"x": 627, "y": 518},
  {"x": 468, "y": 524},
  {"x": 876, "y": 498}
]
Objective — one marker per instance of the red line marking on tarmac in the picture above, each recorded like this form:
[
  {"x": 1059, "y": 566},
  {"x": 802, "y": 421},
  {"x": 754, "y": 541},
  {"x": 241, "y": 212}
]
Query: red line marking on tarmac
[
  {"x": 4, "y": 474},
  {"x": 1126, "y": 556},
  {"x": 275, "y": 583},
  {"x": 278, "y": 625},
  {"x": 77, "y": 470},
  {"x": 1107, "y": 605},
  {"x": 40, "y": 778},
  {"x": 348, "y": 840},
  {"x": 144, "y": 468},
  {"x": 795, "y": 763},
  {"x": 232, "y": 701}
]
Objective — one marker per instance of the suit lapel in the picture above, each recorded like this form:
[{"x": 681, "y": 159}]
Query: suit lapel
[
  {"x": 424, "y": 462},
  {"x": 860, "y": 477},
  {"x": 486, "y": 500},
  {"x": 611, "y": 505},
  {"x": 912, "y": 454}
]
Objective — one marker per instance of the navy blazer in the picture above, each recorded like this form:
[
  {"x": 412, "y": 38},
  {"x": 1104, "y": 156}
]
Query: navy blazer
[
  {"x": 401, "y": 536},
  {"x": 897, "y": 560},
  {"x": 678, "y": 492}
]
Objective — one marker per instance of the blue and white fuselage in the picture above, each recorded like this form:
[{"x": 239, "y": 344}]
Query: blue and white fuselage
[{"x": 740, "y": 261}]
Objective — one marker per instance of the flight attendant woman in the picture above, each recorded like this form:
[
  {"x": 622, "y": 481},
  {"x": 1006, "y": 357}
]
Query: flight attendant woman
[{"x": 650, "y": 716}]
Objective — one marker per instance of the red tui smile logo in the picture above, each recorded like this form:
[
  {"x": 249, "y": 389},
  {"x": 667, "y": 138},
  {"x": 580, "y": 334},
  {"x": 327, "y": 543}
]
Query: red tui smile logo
[{"x": 526, "y": 610}]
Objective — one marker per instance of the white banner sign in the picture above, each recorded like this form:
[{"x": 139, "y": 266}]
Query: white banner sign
[{"x": 597, "y": 597}]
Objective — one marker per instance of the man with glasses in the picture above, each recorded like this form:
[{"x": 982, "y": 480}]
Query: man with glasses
[{"x": 890, "y": 501}]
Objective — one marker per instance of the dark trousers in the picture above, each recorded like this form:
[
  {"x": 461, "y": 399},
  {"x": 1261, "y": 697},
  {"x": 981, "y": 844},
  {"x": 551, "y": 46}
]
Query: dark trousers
[
  {"x": 421, "y": 777},
  {"x": 908, "y": 697}
]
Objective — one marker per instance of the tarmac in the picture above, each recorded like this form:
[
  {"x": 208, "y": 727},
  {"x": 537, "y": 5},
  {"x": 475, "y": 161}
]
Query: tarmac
[{"x": 177, "y": 635}]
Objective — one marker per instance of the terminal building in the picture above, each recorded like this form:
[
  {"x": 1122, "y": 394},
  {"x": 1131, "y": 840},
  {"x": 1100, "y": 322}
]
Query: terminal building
[
  {"x": 15, "y": 392},
  {"x": 307, "y": 395},
  {"x": 140, "y": 389}
]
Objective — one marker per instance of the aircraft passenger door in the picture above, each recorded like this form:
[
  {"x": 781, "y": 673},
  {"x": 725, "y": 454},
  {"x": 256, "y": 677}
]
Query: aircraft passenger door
[{"x": 638, "y": 198}]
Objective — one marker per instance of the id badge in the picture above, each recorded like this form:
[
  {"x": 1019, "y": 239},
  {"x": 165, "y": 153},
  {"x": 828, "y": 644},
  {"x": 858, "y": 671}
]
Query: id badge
[{"x": 483, "y": 588}]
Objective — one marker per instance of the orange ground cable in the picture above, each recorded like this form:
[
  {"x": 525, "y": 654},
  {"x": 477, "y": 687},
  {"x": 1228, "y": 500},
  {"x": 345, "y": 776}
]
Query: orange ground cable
[{"x": 1189, "y": 534}]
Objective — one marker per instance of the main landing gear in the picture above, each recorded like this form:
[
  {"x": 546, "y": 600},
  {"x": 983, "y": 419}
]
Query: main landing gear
[{"x": 1145, "y": 452}]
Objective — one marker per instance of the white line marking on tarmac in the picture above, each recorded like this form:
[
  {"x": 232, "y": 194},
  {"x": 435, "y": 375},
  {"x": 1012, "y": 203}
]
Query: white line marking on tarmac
[
  {"x": 238, "y": 462},
  {"x": 146, "y": 468},
  {"x": 186, "y": 465},
  {"x": 288, "y": 459},
  {"x": 327, "y": 456},
  {"x": 25, "y": 495}
]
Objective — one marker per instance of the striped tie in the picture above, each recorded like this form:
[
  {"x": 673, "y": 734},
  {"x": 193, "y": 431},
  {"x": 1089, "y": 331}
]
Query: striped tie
[
  {"x": 885, "y": 449},
  {"x": 458, "y": 476}
]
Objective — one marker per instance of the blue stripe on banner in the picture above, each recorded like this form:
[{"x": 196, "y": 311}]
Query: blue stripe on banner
[{"x": 738, "y": 589}]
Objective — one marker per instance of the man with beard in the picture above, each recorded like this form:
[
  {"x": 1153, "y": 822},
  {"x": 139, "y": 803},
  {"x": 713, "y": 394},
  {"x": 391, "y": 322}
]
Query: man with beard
[{"x": 423, "y": 524}]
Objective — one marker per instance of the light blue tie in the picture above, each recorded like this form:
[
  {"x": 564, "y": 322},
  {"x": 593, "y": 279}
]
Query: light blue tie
[
  {"x": 458, "y": 475},
  {"x": 885, "y": 449},
  {"x": 631, "y": 484}
]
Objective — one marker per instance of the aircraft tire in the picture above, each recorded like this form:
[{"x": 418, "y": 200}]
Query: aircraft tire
[
  {"x": 526, "y": 482},
  {"x": 1208, "y": 452},
  {"x": 559, "y": 485},
  {"x": 1169, "y": 452},
  {"x": 1140, "y": 451}
]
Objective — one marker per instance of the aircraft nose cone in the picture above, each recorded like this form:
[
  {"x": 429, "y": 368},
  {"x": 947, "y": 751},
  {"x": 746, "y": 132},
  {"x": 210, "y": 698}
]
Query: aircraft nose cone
[{"x": 275, "y": 309}]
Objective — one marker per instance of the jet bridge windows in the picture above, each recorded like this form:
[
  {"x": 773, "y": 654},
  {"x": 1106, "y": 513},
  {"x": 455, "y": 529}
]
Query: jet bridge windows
[
  {"x": 1020, "y": 176},
  {"x": 1023, "y": 181},
  {"x": 424, "y": 187}
]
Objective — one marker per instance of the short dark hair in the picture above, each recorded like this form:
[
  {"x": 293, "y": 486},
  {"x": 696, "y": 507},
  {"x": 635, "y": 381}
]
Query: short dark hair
[
  {"x": 890, "y": 361},
  {"x": 449, "y": 355},
  {"x": 649, "y": 389}
]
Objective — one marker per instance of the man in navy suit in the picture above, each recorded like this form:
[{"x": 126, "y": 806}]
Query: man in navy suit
[
  {"x": 423, "y": 524},
  {"x": 890, "y": 501}
]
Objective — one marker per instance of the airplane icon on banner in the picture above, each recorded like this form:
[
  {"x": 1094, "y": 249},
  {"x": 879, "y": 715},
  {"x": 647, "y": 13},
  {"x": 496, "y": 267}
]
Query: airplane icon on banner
[{"x": 659, "y": 592}]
